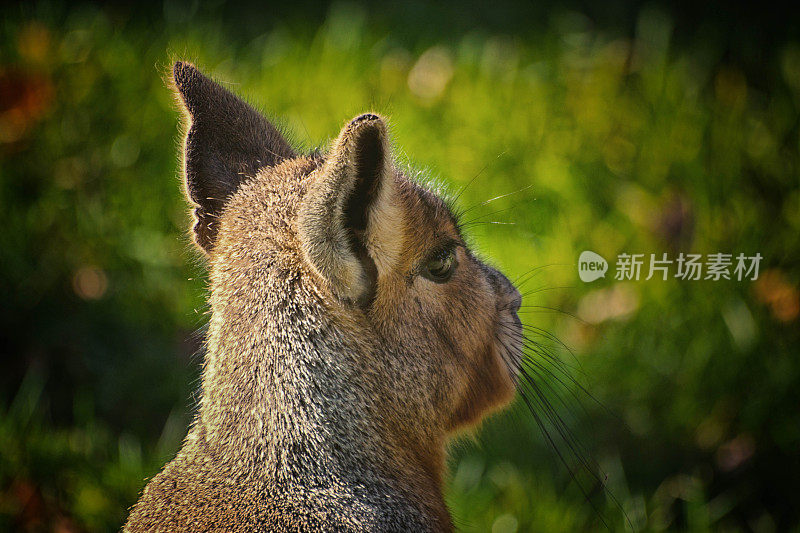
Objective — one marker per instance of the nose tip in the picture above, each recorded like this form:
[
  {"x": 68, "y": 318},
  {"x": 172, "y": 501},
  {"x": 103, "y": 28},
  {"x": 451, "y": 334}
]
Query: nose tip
[
  {"x": 516, "y": 301},
  {"x": 504, "y": 289}
]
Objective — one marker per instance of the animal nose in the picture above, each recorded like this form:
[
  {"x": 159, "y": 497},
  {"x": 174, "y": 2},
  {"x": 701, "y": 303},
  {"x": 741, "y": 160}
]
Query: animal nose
[
  {"x": 515, "y": 301},
  {"x": 509, "y": 294},
  {"x": 506, "y": 292}
]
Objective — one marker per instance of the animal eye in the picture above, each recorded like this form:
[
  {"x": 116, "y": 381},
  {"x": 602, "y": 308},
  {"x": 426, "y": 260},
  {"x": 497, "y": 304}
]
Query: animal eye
[{"x": 441, "y": 267}]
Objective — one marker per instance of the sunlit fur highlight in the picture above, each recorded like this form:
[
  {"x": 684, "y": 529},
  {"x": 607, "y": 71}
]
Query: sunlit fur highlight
[{"x": 323, "y": 409}]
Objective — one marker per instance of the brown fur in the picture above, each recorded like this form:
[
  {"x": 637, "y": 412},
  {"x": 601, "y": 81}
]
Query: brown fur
[{"x": 335, "y": 371}]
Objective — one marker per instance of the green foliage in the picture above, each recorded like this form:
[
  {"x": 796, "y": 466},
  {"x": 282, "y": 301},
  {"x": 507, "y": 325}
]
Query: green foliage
[{"x": 626, "y": 145}]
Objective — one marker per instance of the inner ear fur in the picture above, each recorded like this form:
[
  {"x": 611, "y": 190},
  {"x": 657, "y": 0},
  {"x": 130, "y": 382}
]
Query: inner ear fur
[
  {"x": 226, "y": 142},
  {"x": 341, "y": 222}
]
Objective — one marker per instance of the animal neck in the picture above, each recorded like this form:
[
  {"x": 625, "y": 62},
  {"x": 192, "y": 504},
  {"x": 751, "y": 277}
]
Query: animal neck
[{"x": 285, "y": 402}]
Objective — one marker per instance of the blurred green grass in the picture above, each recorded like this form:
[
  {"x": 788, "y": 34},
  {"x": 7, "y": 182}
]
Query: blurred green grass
[{"x": 627, "y": 145}]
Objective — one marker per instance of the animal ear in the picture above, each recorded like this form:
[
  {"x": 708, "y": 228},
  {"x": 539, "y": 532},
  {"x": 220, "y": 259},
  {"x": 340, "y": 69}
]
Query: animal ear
[
  {"x": 227, "y": 141},
  {"x": 350, "y": 222}
]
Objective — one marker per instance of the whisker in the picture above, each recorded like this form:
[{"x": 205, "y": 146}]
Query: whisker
[
  {"x": 479, "y": 222},
  {"x": 533, "y": 308},
  {"x": 495, "y": 198},
  {"x": 542, "y": 375},
  {"x": 464, "y": 188},
  {"x": 546, "y": 334},
  {"x": 544, "y": 289},
  {"x": 551, "y": 441},
  {"x": 479, "y": 217},
  {"x": 526, "y": 276}
]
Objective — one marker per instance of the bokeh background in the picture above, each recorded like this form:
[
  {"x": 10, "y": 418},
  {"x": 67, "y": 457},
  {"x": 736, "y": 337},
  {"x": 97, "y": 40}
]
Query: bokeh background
[{"x": 629, "y": 127}]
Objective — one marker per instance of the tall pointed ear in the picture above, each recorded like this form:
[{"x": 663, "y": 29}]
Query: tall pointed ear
[
  {"x": 227, "y": 141},
  {"x": 350, "y": 222}
]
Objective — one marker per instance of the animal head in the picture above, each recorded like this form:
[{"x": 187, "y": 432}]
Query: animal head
[{"x": 381, "y": 256}]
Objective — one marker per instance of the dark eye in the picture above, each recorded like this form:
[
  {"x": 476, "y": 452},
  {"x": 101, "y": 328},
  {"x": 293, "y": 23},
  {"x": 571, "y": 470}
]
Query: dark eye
[{"x": 441, "y": 266}]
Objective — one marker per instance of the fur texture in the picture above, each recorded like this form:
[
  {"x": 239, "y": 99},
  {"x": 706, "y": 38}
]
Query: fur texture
[{"x": 335, "y": 368}]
